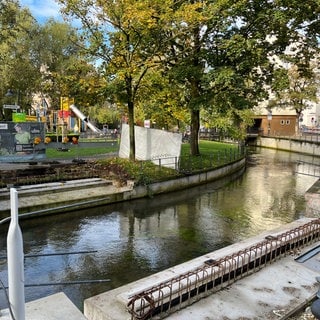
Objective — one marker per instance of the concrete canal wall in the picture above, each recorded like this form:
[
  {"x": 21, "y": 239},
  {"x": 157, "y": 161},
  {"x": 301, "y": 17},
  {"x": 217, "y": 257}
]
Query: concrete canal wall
[
  {"x": 61, "y": 197},
  {"x": 299, "y": 145},
  {"x": 187, "y": 181}
]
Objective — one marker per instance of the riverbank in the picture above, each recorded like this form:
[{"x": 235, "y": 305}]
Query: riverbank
[{"x": 65, "y": 196}]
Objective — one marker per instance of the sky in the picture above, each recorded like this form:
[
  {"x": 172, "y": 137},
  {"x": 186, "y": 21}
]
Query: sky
[{"x": 42, "y": 10}]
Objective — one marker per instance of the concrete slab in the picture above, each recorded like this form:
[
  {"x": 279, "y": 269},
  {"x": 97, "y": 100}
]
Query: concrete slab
[
  {"x": 274, "y": 292},
  {"x": 54, "y": 307},
  {"x": 52, "y": 197}
]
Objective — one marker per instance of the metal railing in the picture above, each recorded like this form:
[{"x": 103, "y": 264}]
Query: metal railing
[
  {"x": 308, "y": 168},
  {"x": 304, "y": 137},
  {"x": 191, "y": 164},
  {"x": 180, "y": 291}
]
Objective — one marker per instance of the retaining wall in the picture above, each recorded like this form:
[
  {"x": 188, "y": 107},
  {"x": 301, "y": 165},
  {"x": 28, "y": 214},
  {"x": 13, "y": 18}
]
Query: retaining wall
[
  {"x": 185, "y": 182},
  {"x": 54, "y": 198},
  {"x": 290, "y": 144}
]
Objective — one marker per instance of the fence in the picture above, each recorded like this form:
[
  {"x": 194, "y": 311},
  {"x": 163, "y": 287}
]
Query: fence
[
  {"x": 192, "y": 164},
  {"x": 180, "y": 291},
  {"x": 303, "y": 137},
  {"x": 308, "y": 168}
]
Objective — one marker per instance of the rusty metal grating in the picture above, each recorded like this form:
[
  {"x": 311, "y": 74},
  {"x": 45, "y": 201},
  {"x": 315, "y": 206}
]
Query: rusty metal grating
[{"x": 178, "y": 292}]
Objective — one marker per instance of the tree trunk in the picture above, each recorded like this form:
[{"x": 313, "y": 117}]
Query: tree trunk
[
  {"x": 194, "y": 131},
  {"x": 297, "y": 124},
  {"x": 132, "y": 152}
]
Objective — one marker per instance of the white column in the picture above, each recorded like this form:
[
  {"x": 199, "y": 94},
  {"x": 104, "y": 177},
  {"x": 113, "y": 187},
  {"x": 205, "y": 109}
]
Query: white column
[{"x": 15, "y": 261}]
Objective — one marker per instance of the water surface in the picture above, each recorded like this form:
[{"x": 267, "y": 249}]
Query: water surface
[{"x": 134, "y": 239}]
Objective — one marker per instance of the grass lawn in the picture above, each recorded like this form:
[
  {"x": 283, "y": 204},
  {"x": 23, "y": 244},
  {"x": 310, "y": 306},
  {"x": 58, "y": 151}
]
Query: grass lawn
[
  {"x": 207, "y": 149},
  {"x": 212, "y": 154},
  {"x": 74, "y": 151}
]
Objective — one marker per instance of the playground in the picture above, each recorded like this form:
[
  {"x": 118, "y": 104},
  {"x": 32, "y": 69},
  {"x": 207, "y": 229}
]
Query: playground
[{"x": 26, "y": 138}]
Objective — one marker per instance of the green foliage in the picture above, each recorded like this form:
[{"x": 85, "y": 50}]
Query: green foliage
[
  {"x": 167, "y": 61},
  {"x": 125, "y": 36},
  {"x": 18, "y": 68},
  {"x": 67, "y": 73},
  {"x": 296, "y": 88},
  {"x": 213, "y": 56},
  {"x": 105, "y": 114},
  {"x": 213, "y": 154},
  {"x": 142, "y": 172},
  {"x": 162, "y": 101}
]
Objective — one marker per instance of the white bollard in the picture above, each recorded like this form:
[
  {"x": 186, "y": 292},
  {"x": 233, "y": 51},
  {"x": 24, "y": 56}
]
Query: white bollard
[{"x": 15, "y": 261}]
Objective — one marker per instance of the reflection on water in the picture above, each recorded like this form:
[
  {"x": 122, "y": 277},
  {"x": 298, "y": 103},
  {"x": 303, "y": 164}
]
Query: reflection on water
[{"x": 138, "y": 238}]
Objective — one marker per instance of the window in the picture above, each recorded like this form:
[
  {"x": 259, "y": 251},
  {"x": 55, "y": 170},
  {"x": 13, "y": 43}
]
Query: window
[{"x": 285, "y": 122}]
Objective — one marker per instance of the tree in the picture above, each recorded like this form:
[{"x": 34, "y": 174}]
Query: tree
[
  {"x": 296, "y": 89},
  {"x": 217, "y": 51},
  {"x": 213, "y": 59},
  {"x": 124, "y": 36},
  {"x": 162, "y": 102},
  {"x": 18, "y": 69},
  {"x": 65, "y": 73},
  {"x": 105, "y": 114},
  {"x": 220, "y": 52}
]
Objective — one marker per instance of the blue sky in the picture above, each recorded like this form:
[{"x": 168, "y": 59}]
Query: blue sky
[{"x": 42, "y": 10}]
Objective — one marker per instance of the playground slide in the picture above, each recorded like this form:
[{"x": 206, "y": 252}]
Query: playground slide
[{"x": 82, "y": 117}]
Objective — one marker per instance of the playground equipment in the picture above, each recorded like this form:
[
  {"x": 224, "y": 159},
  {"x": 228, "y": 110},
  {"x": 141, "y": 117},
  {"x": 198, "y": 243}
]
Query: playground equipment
[{"x": 83, "y": 118}]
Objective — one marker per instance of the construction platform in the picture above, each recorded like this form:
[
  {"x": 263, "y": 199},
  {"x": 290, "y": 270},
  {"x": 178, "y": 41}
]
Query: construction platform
[{"x": 270, "y": 276}]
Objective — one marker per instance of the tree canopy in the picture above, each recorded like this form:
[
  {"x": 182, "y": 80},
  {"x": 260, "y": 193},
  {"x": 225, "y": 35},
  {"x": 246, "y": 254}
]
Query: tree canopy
[
  {"x": 18, "y": 71},
  {"x": 42, "y": 59},
  {"x": 177, "y": 63},
  {"x": 218, "y": 52}
]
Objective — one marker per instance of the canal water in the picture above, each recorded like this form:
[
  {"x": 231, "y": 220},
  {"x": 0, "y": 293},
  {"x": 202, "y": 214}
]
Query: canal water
[{"x": 131, "y": 240}]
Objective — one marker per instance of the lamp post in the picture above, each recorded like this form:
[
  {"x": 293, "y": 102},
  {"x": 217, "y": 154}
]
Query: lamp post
[
  {"x": 9, "y": 93},
  {"x": 13, "y": 107},
  {"x": 269, "y": 117}
]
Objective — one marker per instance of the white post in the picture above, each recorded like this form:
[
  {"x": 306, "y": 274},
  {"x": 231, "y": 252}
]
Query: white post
[{"x": 15, "y": 261}]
